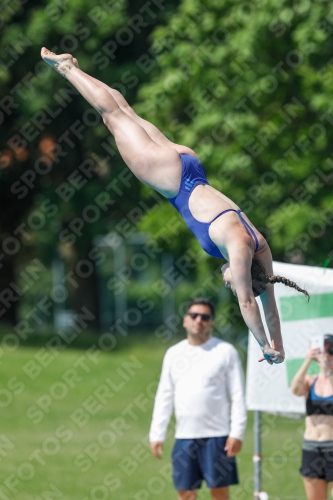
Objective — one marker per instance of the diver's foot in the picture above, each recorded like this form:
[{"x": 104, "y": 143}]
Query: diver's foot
[{"x": 61, "y": 63}]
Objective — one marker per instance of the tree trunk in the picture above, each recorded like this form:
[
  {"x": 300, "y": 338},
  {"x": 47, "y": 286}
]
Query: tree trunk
[
  {"x": 85, "y": 292},
  {"x": 9, "y": 293}
]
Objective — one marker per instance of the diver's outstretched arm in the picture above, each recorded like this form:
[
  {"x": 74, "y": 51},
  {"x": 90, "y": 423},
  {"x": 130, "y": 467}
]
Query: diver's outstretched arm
[{"x": 240, "y": 268}]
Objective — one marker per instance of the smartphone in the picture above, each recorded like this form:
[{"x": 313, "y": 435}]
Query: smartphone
[{"x": 317, "y": 342}]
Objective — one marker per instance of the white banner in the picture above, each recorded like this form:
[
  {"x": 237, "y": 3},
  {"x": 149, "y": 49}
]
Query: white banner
[{"x": 268, "y": 386}]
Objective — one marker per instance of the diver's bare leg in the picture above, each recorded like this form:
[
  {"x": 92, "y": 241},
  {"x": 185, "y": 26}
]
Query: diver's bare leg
[
  {"x": 155, "y": 165},
  {"x": 151, "y": 130}
]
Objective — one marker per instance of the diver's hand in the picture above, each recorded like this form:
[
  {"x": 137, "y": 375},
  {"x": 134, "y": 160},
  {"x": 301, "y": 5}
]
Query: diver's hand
[{"x": 272, "y": 356}]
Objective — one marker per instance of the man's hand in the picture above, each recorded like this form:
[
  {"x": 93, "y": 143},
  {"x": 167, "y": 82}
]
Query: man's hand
[
  {"x": 157, "y": 449},
  {"x": 233, "y": 446}
]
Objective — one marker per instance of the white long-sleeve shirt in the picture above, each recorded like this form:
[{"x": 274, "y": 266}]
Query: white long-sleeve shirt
[{"x": 197, "y": 381}]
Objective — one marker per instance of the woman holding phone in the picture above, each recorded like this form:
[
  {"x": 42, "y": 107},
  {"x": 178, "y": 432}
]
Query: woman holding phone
[{"x": 317, "y": 449}]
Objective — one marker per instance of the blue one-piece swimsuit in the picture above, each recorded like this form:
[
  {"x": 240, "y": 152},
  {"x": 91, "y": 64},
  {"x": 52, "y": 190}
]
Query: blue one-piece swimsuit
[{"x": 193, "y": 174}]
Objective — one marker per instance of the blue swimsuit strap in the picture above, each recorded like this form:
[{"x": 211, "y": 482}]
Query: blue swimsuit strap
[
  {"x": 312, "y": 392},
  {"x": 249, "y": 227},
  {"x": 245, "y": 224}
]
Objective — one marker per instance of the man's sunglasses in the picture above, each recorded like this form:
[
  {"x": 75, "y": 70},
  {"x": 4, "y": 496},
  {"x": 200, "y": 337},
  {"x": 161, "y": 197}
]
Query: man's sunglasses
[
  {"x": 329, "y": 351},
  {"x": 204, "y": 317}
]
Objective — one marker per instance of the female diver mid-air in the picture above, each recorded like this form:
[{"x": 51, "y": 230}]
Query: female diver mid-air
[{"x": 218, "y": 223}]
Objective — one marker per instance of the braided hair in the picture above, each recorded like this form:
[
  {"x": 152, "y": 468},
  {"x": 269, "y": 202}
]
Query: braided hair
[{"x": 260, "y": 279}]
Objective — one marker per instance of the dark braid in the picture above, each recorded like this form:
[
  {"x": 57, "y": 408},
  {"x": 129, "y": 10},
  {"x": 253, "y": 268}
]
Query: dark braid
[
  {"x": 285, "y": 281},
  {"x": 260, "y": 278}
]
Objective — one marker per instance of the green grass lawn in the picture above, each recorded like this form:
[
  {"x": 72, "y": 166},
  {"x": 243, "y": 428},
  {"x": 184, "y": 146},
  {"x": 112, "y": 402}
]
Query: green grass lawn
[{"x": 74, "y": 426}]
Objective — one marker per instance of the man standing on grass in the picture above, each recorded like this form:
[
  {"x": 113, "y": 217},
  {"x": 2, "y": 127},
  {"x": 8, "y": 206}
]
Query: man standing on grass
[{"x": 199, "y": 374}]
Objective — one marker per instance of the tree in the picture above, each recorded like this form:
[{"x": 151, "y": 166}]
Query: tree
[
  {"x": 57, "y": 159},
  {"x": 248, "y": 86}
]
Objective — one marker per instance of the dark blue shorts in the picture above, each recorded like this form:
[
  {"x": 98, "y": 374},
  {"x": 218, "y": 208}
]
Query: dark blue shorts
[{"x": 196, "y": 459}]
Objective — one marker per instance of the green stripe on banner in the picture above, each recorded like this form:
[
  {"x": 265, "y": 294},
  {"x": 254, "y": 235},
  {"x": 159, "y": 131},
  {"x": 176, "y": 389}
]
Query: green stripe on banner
[
  {"x": 294, "y": 308},
  {"x": 293, "y": 365}
]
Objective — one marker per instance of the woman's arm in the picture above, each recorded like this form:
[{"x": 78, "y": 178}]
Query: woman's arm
[
  {"x": 272, "y": 317},
  {"x": 240, "y": 268},
  {"x": 269, "y": 303},
  {"x": 301, "y": 383}
]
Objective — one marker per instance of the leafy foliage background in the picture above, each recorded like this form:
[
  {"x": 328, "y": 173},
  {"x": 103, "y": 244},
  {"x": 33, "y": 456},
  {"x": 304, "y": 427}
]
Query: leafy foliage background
[{"x": 247, "y": 85}]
